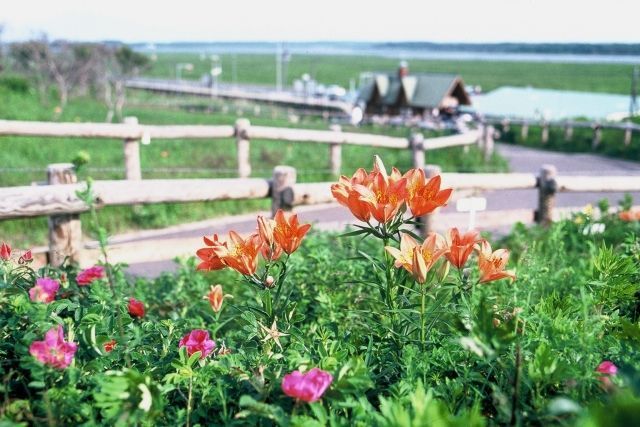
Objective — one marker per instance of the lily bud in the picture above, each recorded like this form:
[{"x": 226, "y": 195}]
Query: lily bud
[
  {"x": 419, "y": 267},
  {"x": 265, "y": 229},
  {"x": 269, "y": 281},
  {"x": 443, "y": 271}
]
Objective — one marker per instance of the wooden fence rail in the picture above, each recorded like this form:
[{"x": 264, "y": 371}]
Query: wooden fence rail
[
  {"x": 133, "y": 133},
  {"x": 567, "y": 125},
  {"x": 62, "y": 204}
]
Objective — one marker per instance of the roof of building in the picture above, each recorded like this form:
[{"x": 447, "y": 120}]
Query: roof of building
[{"x": 425, "y": 90}]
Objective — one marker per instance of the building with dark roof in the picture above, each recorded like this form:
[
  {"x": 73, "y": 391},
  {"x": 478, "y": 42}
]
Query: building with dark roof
[{"x": 421, "y": 93}]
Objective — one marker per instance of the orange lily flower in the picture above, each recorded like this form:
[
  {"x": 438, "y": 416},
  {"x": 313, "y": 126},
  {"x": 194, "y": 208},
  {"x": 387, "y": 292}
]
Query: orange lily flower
[
  {"x": 270, "y": 250},
  {"x": 385, "y": 193},
  {"x": 629, "y": 216},
  {"x": 288, "y": 233},
  {"x": 423, "y": 197},
  {"x": 492, "y": 264},
  {"x": 216, "y": 297},
  {"x": 415, "y": 258},
  {"x": 460, "y": 246},
  {"x": 344, "y": 193},
  {"x": 210, "y": 260},
  {"x": 240, "y": 254}
]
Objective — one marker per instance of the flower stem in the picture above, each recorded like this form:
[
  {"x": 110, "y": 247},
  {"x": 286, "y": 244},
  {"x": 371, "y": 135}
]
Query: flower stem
[
  {"x": 51, "y": 421},
  {"x": 423, "y": 330},
  {"x": 267, "y": 304},
  {"x": 189, "y": 398},
  {"x": 101, "y": 236}
]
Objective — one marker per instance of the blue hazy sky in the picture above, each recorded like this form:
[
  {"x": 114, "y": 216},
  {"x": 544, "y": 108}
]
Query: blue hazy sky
[{"x": 352, "y": 20}]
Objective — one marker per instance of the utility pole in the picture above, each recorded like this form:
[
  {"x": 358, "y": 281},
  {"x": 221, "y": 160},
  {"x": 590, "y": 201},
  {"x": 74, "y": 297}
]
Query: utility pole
[
  {"x": 234, "y": 69},
  {"x": 279, "y": 67},
  {"x": 633, "y": 106}
]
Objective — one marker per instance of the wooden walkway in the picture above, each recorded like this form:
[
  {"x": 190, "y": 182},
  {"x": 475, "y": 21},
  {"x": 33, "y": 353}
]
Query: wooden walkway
[{"x": 284, "y": 98}]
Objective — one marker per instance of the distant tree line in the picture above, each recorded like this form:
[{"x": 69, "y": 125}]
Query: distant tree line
[
  {"x": 551, "y": 48},
  {"x": 77, "y": 69}
]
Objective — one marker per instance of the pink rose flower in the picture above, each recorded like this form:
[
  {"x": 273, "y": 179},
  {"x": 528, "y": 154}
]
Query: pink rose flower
[
  {"x": 44, "y": 290},
  {"x": 54, "y": 350},
  {"x": 88, "y": 275},
  {"x": 607, "y": 367},
  {"x": 198, "y": 340},
  {"x": 308, "y": 387}
]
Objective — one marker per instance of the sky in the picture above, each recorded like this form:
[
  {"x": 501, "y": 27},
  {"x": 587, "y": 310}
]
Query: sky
[{"x": 325, "y": 20}]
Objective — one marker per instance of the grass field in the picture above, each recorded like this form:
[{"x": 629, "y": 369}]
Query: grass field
[
  {"x": 261, "y": 69},
  {"x": 612, "y": 142}
]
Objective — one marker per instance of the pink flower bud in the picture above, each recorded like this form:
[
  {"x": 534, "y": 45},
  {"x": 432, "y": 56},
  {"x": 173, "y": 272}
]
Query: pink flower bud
[
  {"x": 87, "y": 276},
  {"x": 5, "y": 251},
  {"x": 136, "y": 308}
]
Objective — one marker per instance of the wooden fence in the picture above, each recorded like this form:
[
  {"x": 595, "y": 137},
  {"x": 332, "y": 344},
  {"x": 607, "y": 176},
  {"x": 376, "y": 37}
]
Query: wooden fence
[
  {"x": 568, "y": 126},
  {"x": 60, "y": 201},
  {"x": 133, "y": 133}
]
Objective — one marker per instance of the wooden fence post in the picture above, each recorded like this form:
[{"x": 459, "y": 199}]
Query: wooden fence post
[
  {"x": 242, "y": 143},
  {"x": 568, "y": 132},
  {"x": 284, "y": 178},
  {"x": 65, "y": 231},
  {"x": 132, "y": 168},
  {"x": 547, "y": 187},
  {"x": 524, "y": 131},
  {"x": 597, "y": 136},
  {"x": 416, "y": 143},
  {"x": 487, "y": 142},
  {"x": 335, "y": 153},
  {"x": 506, "y": 126},
  {"x": 627, "y": 134},
  {"x": 544, "y": 137},
  {"x": 426, "y": 221}
]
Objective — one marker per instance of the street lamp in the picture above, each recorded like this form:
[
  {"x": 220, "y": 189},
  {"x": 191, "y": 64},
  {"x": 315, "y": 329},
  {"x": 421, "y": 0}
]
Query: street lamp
[
  {"x": 182, "y": 66},
  {"x": 216, "y": 71}
]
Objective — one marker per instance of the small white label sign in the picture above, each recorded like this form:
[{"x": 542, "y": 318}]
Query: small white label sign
[{"x": 471, "y": 205}]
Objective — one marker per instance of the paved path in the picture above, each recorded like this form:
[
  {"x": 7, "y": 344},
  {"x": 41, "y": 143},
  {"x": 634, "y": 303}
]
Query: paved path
[
  {"x": 528, "y": 160},
  {"x": 521, "y": 202}
]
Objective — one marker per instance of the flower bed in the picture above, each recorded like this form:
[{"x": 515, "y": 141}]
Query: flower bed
[{"x": 375, "y": 327}]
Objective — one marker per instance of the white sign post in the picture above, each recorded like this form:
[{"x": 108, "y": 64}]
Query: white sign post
[{"x": 471, "y": 205}]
